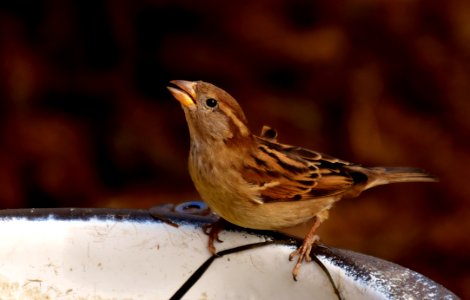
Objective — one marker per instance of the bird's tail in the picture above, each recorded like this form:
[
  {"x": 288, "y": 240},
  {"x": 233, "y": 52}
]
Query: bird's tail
[{"x": 385, "y": 175}]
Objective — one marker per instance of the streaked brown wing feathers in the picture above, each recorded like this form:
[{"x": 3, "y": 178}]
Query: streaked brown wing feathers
[{"x": 287, "y": 173}]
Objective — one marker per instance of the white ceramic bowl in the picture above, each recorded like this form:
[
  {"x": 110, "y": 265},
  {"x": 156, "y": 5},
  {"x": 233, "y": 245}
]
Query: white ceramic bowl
[{"x": 128, "y": 254}]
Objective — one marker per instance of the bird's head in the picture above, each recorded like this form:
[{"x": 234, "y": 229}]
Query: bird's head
[{"x": 212, "y": 114}]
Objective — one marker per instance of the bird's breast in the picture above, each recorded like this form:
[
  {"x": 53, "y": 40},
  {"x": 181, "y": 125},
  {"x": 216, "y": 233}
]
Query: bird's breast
[{"x": 216, "y": 176}]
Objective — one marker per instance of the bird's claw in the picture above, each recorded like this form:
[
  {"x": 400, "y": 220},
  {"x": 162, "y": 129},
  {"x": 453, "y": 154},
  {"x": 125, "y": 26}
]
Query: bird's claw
[
  {"x": 303, "y": 252},
  {"x": 212, "y": 230}
]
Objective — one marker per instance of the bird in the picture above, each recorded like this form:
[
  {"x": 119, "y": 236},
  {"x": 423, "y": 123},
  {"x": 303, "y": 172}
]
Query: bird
[{"x": 255, "y": 182}]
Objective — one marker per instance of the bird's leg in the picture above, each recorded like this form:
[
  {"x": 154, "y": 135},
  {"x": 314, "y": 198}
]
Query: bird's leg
[
  {"x": 212, "y": 230},
  {"x": 304, "y": 251}
]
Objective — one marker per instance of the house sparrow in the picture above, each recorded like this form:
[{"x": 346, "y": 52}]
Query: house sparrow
[{"x": 254, "y": 181}]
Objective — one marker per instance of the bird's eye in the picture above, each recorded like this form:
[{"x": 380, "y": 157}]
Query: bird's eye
[{"x": 211, "y": 102}]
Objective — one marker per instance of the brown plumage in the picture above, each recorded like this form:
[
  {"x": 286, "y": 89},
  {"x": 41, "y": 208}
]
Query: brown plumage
[{"x": 254, "y": 181}]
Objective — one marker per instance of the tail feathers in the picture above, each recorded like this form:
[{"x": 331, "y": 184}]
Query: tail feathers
[{"x": 385, "y": 175}]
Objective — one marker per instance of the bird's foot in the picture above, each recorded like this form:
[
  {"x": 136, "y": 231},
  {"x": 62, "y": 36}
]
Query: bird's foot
[
  {"x": 303, "y": 253},
  {"x": 212, "y": 230}
]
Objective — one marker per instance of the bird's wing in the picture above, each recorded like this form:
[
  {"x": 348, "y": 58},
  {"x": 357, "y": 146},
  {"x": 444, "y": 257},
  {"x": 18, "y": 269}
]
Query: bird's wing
[{"x": 288, "y": 173}]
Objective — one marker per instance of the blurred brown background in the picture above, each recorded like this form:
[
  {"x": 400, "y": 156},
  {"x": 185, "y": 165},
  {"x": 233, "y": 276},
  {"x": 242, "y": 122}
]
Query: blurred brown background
[{"x": 85, "y": 119}]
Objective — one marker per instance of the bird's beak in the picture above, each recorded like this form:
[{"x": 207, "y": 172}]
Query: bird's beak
[{"x": 185, "y": 93}]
